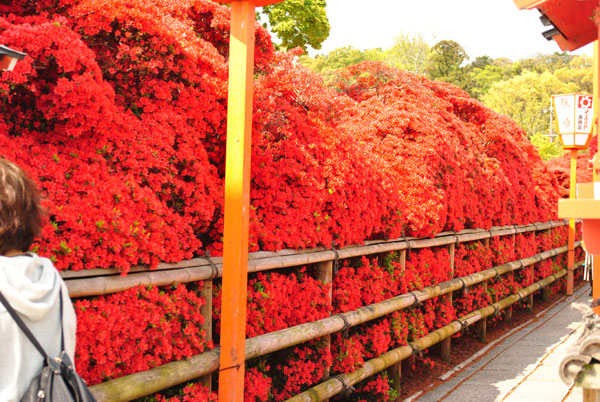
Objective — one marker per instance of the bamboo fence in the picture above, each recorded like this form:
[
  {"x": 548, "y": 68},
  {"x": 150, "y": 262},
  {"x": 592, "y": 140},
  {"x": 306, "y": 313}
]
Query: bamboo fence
[
  {"x": 342, "y": 382},
  {"x": 95, "y": 282},
  {"x": 171, "y": 374}
]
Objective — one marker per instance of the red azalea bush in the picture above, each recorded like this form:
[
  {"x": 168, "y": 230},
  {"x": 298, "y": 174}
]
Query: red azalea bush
[
  {"x": 119, "y": 114},
  {"x": 461, "y": 165},
  {"x": 277, "y": 301},
  {"x": 561, "y": 167},
  {"x": 376, "y": 389},
  {"x": 190, "y": 393},
  {"x": 136, "y": 330}
]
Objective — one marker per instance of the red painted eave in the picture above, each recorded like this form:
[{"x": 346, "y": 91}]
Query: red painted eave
[{"x": 573, "y": 18}]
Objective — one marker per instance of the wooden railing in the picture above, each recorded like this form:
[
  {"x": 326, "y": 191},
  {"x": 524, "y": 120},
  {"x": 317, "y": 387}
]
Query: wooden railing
[{"x": 97, "y": 282}]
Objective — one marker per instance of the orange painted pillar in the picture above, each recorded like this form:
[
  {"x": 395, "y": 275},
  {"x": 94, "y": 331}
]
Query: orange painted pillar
[
  {"x": 596, "y": 259},
  {"x": 571, "y": 238},
  {"x": 237, "y": 202}
]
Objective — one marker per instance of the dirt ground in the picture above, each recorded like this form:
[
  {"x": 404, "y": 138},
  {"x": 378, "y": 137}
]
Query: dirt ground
[{"x": 422, "y": 376}]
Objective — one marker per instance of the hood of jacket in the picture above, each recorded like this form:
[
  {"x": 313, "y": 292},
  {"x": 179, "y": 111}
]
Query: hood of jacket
[{"x": 29, "y": 283}]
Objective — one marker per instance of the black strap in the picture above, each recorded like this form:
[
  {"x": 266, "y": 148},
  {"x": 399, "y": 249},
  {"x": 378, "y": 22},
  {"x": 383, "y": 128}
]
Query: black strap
[
  {"x": 62, "y": 335},
  {"x": 26, "y": 330}
]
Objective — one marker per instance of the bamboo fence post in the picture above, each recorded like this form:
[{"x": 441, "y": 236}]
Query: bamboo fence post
[
  {"x": 530, "y": 297},
  {"x": 446, "y": 344},
  {"x": 325, "y": 275},
  {"x": 546, "y": 294},
  {"x": 395, "y": 371},
  {"x": 591, "y": 395},
  {"x": 206, "y": 310},
  {"x": 546, "y": 289},
  {"x": 482, "y": 325},
  {"x": 508, "y": 315}
]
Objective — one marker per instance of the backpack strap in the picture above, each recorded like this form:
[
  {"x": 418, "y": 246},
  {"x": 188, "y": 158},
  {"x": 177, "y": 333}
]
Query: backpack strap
[
  {"x": 62, "y": 331},
  {"x": 24, "y": 327}
]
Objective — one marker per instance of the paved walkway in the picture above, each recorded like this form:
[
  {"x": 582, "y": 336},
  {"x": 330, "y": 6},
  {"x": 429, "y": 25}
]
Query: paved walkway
[{"x": 522, "y": 366}]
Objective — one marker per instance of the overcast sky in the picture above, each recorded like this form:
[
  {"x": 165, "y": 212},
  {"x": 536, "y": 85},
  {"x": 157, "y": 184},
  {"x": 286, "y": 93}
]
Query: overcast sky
[{"x": 496, "y": 28}]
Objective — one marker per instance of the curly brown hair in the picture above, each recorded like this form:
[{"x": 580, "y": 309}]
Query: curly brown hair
[{"x": 21, "y": 213}]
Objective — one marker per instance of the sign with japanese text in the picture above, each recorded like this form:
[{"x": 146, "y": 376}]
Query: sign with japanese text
[{"x": 574, "y": 116}]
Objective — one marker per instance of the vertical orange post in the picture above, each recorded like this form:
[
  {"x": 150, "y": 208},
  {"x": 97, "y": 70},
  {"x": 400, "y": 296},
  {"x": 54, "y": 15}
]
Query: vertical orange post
[
  {"x": 596, "y": 259},
  {"x": 571, "y": 239},
  {"x": 595, "y": 131},
  {"x": 237, "y": 202}
]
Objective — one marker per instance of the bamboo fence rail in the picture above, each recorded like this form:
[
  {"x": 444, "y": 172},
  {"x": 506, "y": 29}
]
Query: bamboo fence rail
[
  {"x": 144, "y": 383},
  {"x": 96, "y": 282}
]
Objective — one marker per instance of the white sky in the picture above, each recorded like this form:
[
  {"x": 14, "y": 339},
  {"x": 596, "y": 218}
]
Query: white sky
[{"x": 496, "y": 28}]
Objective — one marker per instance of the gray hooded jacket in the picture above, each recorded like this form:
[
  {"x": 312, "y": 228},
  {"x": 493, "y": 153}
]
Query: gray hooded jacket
[{"x": 31, "y": 285}]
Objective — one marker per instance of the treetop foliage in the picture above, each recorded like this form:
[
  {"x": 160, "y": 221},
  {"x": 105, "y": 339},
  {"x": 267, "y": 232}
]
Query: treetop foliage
[{"x": 298, "y": 23}]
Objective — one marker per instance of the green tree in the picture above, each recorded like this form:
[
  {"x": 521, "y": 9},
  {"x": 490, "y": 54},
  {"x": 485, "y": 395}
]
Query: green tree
[
  {"x": 444, "y": 62},
  {"x": 542, "y": 62},
  {"x": 481, "y": 62},
  {"x": 479, "y": 76},
  {"x": 547, "y": 149},
  {"x": 524, "y": 97},
  {"x": 298, "y": 23},
  {"x": 579, "y": 71},
  {"x": 481, "y": 79},
  {"x": 327, "y": 65},
  {"x": 408, "y": 53}
]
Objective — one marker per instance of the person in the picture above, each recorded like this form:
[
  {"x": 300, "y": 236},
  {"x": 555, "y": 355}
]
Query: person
[{"x": 31, "y": 284}]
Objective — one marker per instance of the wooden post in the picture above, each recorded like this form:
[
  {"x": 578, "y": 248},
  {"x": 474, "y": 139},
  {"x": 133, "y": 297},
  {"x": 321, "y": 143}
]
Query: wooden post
[
  {"x": 508, "y": 315},
  {"x": 206, "y": 293},
  {"x": 395, "y": 376},
  {"x": 325, "y": 275},
  {"x": 237, "y": 202},
  {"x": 591, "y": 395},
  {"x": 546, "y": 294},
  {"x": 482, "y": 325},
  {"x": 402, "y": 258},
  {"x": 395, "y": 370},
  {"x": 530, "y": 297},
  {"x": 446, "y": 344},
  {"x": 451, "y": 251}
]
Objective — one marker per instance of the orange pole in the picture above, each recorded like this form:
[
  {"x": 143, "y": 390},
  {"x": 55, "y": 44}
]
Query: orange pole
[
  {"x": 237, "y": 202},
  {"x": 596, "y": 259},
  {"x": 571, "y": 239}
]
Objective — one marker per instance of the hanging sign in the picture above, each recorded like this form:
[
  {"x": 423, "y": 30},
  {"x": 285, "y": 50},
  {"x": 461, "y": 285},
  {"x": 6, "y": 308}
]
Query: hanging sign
[{"x": 574, "y": 116}]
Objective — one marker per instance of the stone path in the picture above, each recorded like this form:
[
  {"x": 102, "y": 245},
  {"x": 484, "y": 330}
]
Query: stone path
[{"x": 522, "y": 366}]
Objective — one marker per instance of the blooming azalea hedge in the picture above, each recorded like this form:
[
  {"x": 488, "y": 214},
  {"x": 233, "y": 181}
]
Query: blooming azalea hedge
[
  {"x": 119, "y": 115},
  {"x": 138, "y": 329}
]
